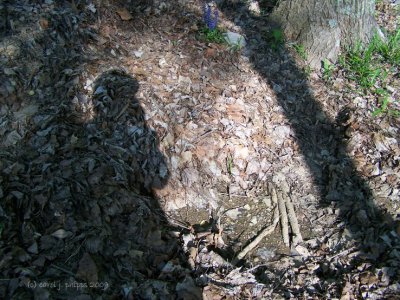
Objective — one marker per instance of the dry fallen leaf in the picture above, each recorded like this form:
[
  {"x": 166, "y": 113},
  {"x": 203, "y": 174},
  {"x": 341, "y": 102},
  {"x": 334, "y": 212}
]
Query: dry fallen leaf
[
  {"x": 124, "y": 14},
  {"x": 187, "y": 289},
  {"x": 87, "y": 269},
  {"x": 61, "y": 234},
  {"x": 210, "y": 53},
  {"x": 44, "y": 23}
]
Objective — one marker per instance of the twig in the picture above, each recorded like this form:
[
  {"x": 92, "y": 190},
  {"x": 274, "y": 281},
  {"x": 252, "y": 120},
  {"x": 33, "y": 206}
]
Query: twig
[
  {"x": 284, "y": 219},
  {"x": 122, "y": 111},
  {"x": 234, "y": 195},
  {"x": 207, "y": 132},
  {"x": 294, "y": 224},
  {"x": 75, "y": 252},
  {"x": 344, "y": 252},
  {"x": 256, "y": 267},
  {"x": 258, "y": 239},
  {"x": 62, "y": 269},
  {"x": 272, "y": 192}
]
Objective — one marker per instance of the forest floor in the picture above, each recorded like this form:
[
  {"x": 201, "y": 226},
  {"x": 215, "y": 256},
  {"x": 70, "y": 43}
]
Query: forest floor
[{"x": 139, "y": 159}]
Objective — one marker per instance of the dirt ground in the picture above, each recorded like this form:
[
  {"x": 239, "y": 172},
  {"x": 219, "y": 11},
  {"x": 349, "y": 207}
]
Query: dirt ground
[{"x": 138, "y": 160}]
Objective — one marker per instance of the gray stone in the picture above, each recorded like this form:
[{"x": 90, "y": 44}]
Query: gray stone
[{"x": 235, "y": 39}]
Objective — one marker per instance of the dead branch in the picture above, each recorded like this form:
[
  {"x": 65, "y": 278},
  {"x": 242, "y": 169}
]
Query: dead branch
[
  {"x": 294, "y": 224},
  {"x": 258, "y": 239},
  {"x": 284, "y": 219}
]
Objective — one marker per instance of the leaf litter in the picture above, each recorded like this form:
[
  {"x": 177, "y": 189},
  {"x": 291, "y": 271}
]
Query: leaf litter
[{"x": 138, "y": 163}]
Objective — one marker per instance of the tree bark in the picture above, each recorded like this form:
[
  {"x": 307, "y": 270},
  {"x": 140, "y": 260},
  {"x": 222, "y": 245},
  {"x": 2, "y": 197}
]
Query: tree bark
[{"x": 324, "y": 26}]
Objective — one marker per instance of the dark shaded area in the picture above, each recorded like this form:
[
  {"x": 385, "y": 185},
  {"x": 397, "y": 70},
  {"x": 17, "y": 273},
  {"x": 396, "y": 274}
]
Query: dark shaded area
[
  {"x": 321, "y": 141},
  {"x": 145, "y": 158},
  {"x": 119, "y": 214},
  {"x": 78, "y": 204}
]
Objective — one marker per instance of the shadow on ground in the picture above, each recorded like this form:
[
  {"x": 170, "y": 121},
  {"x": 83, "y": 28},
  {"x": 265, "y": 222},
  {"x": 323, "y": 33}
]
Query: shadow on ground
[
  {"x": 78, "y": 216},
  {"x": 77, "y": 206},
  {"x": 323, "y": 144}
]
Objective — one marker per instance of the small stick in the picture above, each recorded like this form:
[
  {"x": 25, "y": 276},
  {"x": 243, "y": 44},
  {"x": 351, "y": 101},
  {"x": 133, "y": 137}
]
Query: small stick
[
  {"x": 62, "y": 269},
  {"x": 122, "y": 111},
  {"x": 294, "y": 224},
  {"x": 284, "y": 219},
  {"x": 273, "y": 195},
  {"x": 258, "y": 239}
]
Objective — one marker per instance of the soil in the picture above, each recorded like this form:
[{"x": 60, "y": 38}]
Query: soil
[{"x": 139, "y": 159}]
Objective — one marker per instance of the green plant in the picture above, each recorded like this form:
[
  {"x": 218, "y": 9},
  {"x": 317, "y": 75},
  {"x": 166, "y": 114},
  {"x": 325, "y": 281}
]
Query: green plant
[
  {"x": 389, "y": 49},
  {"x": 229, "y": 164},
  {"x": 301, "y": 51},
  {"x": 213, "y": 35},
  {"x": 381, "y": 92},
  {"x": 307, "y": 71},
  {"x": 275, "y": 38},
  {"x": 327, "y": 69},
  {"x": 384, "y": 108},
  {"x": 359, "y": 62},
  {"x": 372, "y": 66},
  {"x": 236, "y": 47}
]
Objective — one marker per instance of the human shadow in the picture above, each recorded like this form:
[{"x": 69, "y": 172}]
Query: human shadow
[
  {"x": 78, "y": 215},
  {"x": 148, "y": 164},
  {"x": 322, "y": 143}
]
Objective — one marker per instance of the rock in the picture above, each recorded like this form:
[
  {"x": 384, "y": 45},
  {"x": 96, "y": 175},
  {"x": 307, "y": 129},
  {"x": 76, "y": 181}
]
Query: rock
[
  {"x": 138, "y": 53},
  {"x": 266, "y": 254},
  {"x": 162, "y": 63},
  {"x": 235, "y": 39},
  {"x": 233, "y": 213},
  {"x": 254, "y": 7}
]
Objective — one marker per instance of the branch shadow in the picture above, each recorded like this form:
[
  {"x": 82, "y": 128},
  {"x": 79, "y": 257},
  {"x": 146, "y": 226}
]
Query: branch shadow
[{"x": 322, "y": 143}]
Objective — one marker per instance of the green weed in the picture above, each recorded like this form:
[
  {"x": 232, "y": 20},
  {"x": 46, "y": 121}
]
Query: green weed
[
  {"x": 213, "y": 35},
  {"x": 236, "y": 47},
  {"x": 390, "y": 50},
  {"x": 327, "y": 69},
  {"x": 385, "y": 108},
  {"x": 301, "y": 51},
  {"x": 370, "y": 66},
  {"x": 275, "y": 38},
  {"x": 363, "y": 62},
  {"x": 229, "y": 164},
  {"x": 359, "y": 62},
  {"x": 307, "y": 71}
]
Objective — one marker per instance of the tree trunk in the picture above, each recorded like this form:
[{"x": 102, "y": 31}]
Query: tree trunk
[{"x": 324, "y": 26}]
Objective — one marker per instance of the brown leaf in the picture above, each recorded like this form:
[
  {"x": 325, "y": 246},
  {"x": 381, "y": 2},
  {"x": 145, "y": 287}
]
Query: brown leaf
[
  {"x": 140, "y": 73},
  {"x": 61, "y": 234},
  {"x": 368, "y": 278},
  {"x": 124, "y": 14},
  {"x": 210, "y": 53},
  {"x": 236, "y": 112},
  {"x": 187, "y": 289},
  {"x": 87, "y": 269},
  {"x": 44, "y": 23}
]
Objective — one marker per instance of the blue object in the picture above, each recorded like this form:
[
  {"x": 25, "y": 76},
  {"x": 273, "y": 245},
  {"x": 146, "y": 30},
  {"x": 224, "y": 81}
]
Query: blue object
[{"x": 211, "y": 22}]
